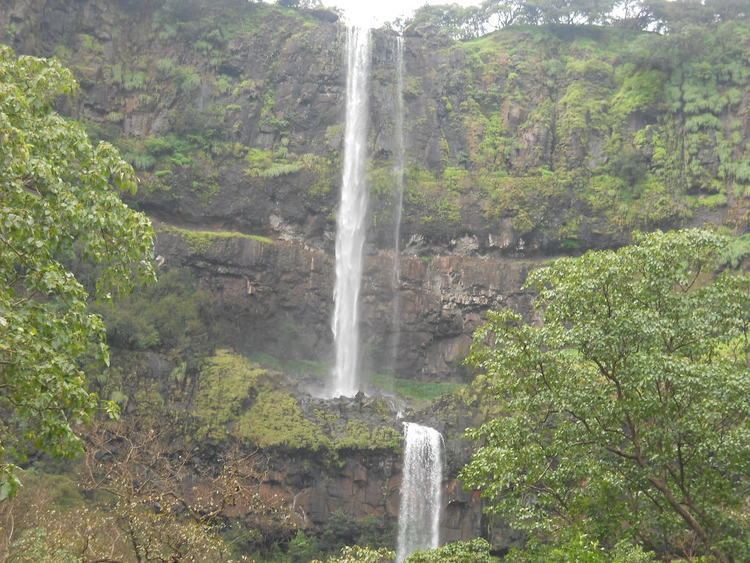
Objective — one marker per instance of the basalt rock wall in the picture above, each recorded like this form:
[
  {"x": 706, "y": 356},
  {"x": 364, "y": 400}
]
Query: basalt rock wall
[
  {"x": 524, "y": 144},
  {"x": 529, "y": 141},
  {"x": 277, "y": 298}
]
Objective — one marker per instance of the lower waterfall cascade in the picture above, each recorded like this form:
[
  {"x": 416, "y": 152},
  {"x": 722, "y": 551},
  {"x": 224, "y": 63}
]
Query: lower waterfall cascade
[{"x": 421, "y": 496}]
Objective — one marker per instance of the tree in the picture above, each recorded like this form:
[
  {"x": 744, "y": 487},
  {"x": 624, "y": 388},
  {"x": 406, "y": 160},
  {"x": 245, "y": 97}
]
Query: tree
[
  {"x": 305, "y": 4},
  {"x": 357, "y": 554},
  {"x": 476, "y": 551},
  {"x": 568, "y": 11},
  {"x": 626, "y": 411},
  {"x": 502, "y": 13},
  {"x": 59, "y": 203},
  {"x": 458, "y": 21},
  {"x": 140, "y": 496},
  {"x": 167, "y": 503}
]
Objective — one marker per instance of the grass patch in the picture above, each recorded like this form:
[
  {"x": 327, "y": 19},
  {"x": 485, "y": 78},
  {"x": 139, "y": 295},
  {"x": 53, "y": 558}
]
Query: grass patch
[
  {"x": 226, "y": 382},
  {"x": 420, "y": 392},
  {"x": 417, "y": 391},
  {"x": 299, "y": 368},
  {"x": 276, "y": 420},
  {"x": 200, "y": 241}
]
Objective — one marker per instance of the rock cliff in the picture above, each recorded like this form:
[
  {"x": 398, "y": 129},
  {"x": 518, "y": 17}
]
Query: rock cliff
[{"x": 528, "y": 142}]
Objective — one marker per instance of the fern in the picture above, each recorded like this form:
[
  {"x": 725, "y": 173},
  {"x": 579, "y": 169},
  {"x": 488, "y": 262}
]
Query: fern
[
  {"x": 280, "y": 169},
  {"x": 737, "y": 251}
]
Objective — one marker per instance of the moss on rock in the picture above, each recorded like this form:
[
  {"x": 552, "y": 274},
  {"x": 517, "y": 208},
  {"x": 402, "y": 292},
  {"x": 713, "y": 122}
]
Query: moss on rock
[
  {"x": 276, "y": 420},
  {"x": 225, "y": 386}
]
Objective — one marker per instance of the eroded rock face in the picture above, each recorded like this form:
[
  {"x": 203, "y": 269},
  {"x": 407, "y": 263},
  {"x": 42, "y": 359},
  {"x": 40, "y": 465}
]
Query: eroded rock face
[
  {"x": 263, "y": 286},
  {"x": 504, "y": 155},
  {"x": 364, "y": 487}
]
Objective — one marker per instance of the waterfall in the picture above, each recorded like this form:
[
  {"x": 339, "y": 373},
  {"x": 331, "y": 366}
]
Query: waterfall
[
  {"x": 419, "y": 511},
  {"x": 398, "y": 173},
  {"x": 350, "y": 223}
]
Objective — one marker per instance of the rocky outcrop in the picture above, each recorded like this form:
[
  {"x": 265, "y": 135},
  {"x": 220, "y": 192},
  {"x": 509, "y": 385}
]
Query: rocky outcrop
[
  {"x": 521, "y": 145},
  {"x": 265, "y": 286},
  {"x": 526, "y": 142},
  {"x": 366, "y": 486}
]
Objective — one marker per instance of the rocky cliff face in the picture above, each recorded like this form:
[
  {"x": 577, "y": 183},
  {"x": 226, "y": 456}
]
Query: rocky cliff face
[
  {"x": 366, "y": 488},
  {"x": 278, "y": 296},
  {"x": 527, "y": 142},
  {"x": 532, "y": 140}
]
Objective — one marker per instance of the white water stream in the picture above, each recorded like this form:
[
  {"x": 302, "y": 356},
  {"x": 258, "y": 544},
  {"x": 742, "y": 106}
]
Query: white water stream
[
  {"x": 419, "y": 511},
  {"x": 351, "y": 216}
]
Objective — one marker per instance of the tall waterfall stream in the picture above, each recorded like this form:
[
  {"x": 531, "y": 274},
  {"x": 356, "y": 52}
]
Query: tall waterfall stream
[
  {"x": 351, "y": 216},
  {"x": 420, "y": 504}
]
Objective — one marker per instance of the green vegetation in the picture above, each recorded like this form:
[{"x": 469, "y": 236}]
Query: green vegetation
[
  {"x": 421, "y": 392},
  {"x": 737, "y": 251},
  {"x": 577, "y": 546},
  {"x": 276, "y": 420},
  {"x": 268, "y": 164},
  {"x": 201, "y": 241},
  {"x": 473, "y": 21},
  {"x": 165, "y": 315},
  {"x": 292, "y": 367},
  {"x": 437, "y": 199},
  {"x": 476, "y": 551},
  {"x": 617, "y": 421},
  {"x": 236, "y": 398},
  {"x": 357, "y": 554},
  {"x": 568, "y": 131},
  {"x": 225, "y": 383},
  {"x": 530, "y": 201},
  {"x": 166, "y": 162},
  {"x": 59, "y": 202},
  {"x": 357, "y": 435},
  {"x": 76, "y": 515},
  {"x": 638, "y": 368}
]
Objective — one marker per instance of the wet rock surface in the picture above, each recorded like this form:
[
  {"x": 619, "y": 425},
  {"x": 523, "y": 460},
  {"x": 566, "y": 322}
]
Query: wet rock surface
[{"x": 263, "y": 286}]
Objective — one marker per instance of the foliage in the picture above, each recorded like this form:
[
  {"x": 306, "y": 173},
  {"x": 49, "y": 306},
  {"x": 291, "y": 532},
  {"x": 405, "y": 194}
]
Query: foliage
[
  {"x": 474, "y": 21},
  {"x": 530, "y": 201},
  {"x": 302, "y": 547},
  {"x": 276, "y": 420},
  {"x": 357, "y": 554},
  {"x": 476, "y": 551},
  {"x": 358, "y": 435},
  {"x": 272, "y": 164},
  {"x": 225, "y": 383},
  {"x": 201, "y": 241},
  {"x": 342, "y": 530},
  {"x": 737, "y": 251},
  {"x": 437, "y": 199},
  {"x": 58, "y": 199},
  {"x": 166, "y": 315},
  {"x": 575, "y": 547},
  {"x": 137, "y": 497},
  {"x": 625, "y": 410}
]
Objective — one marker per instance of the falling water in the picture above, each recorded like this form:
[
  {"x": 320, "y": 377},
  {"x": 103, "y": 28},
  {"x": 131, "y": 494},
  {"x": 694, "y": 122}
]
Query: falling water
[
  {"x": 419, "y": 512},
  {"x": 350, "y": 224},
  {"x": 398, "y": 173}
]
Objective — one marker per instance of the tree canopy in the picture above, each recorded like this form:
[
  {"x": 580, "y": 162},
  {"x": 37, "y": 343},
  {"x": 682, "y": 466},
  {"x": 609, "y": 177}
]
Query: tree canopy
[
  {"x": 476, "y": 551},
  {"x": 59, "y": 205},
  {"x": 625, "y": 407},
  {"x": 467, "y": 22}
]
